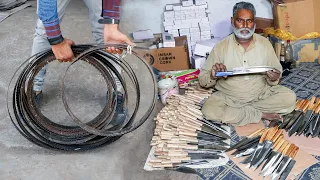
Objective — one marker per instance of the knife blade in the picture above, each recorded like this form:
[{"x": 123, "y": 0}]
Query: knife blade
[
  {"x": 274, "y": 156},
  {"x": 283, "y": 164},
  {"x": 251, "y": 146},
  {"x": 288, "y": 169},
  {"x": 307, "y": 118},
  {"x": 297, "y": 114},
  {"x": 296, "y": 125},
  {"x": 267, "y": 147},
  {"x": 258, "y": 149},
  {"x": 245, "y": 140},
  {"x": 277, "y": 159},
  {"x": 264, "y": 148},
  {"x": 316, "y": 128}
]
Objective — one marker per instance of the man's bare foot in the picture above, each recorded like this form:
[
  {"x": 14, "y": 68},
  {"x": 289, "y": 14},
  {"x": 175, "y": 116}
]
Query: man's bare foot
[{"x": 271, "y": 116}]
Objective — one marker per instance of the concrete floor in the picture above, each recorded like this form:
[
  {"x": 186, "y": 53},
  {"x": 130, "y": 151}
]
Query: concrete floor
[{"x": 20, "y": 159}]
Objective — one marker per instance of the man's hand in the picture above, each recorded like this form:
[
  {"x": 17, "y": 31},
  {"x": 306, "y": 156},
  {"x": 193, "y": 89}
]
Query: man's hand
[
  {"x": 112, "y": 35},
  {"x": 273, "y": 75},
  {"x": 218, "y": 67},
  {"x": 62, "y": 51}
]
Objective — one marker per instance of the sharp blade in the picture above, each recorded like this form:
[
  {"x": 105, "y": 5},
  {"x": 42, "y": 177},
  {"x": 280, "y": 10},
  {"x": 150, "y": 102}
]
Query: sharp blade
[
  {"x": 245, "y": 153},
  {"x": 205, "y": 142},
  {"x": 288, "y": 169},
  {"x": 244, "y": 141},
  {"x": 305, "y": 124},
  {"x": 254, "y": 142},
  {"x": 216, "y": 147},
  {"x": 317, "y": 128},
  {"x": 271, "y": 160},
  {"x": 252, "y": 146},
  {"x": 296, "y": 125},
  {"x": 215, "y": 132},
  {"x": 283, "y": 164},
  {"x": 267, "y": 147},
  {"x": 286, "y": 120},
  {"x": 206, "y": 136},
  {"x": 263, "y": 159},
  {"x": 204, "y": 156},
  {"x": 215, "y": 126},
  {"x": 274, "y": 165},
  {"x": 206, "y": 133},
  {"x": 293, "y": 119},
  {"x": 248, "y": 159}
]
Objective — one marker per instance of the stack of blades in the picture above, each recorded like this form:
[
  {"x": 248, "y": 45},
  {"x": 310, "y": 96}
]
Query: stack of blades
[
  {"x": 183, "y": 137},
  {"x": 304, "y": 120}
]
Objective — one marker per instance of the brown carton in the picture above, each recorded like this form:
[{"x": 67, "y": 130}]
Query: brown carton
[
  {"x": 299, "y": 17},
  {"x": 168, "y": 59}
]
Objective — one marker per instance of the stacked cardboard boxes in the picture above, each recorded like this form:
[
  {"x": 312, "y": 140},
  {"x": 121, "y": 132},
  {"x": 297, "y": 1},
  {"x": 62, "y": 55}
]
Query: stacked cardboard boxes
[{"x": 188, "y": 18}]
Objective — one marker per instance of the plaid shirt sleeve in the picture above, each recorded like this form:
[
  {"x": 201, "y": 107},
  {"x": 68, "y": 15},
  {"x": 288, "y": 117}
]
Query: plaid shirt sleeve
[{"x": 111, "y": 9}]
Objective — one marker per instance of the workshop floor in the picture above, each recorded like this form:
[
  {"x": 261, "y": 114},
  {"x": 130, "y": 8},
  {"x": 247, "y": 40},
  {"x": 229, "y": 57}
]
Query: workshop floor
[{"x": 20, "y": 159}]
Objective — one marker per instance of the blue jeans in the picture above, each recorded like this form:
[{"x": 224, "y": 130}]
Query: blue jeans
[{"x": 40, "y": 42}]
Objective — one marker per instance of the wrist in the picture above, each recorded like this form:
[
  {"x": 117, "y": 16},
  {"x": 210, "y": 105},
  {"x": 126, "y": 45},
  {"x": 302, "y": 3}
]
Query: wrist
[{"x": 56, "y": 40}]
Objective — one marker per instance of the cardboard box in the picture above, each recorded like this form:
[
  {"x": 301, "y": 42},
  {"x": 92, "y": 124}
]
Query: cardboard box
[
  {"x": 168, "y": 59},
  {"x": 204, "y": 47},
  {"x": 168, "y": 40},
  {"x": 197, "y": 62},
  {"x": 298, "y": 17},
  {"x": 303, "y": 50}
]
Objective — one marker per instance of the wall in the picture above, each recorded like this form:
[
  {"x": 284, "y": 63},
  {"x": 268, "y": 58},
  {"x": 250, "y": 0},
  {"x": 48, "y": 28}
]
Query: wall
[{"x": 147, "y": 14}]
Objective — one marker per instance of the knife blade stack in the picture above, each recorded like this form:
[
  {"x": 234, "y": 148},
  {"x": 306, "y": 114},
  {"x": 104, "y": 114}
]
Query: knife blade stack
[
  {"x": 305, "y": 119},
  {"x": 268, "y": 149},
  {"x": 182, "y": 136}
]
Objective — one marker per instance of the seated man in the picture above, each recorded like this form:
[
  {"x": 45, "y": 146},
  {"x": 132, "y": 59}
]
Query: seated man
[{"x": 245, "y": 99}]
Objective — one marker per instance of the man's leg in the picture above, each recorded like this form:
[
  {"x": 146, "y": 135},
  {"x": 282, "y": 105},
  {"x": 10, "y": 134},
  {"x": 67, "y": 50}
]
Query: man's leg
[
  {"x": 276, "y": 100},
  {"x": 40, "y": 43},
  {"x": 95, "y": 7},
  {"x": 217, "y": 107}
]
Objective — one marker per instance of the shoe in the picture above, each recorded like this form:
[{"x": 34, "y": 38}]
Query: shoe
[{"x": 37, "y": 97}]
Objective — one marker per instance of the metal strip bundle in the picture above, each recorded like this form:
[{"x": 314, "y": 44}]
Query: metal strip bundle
[
  {"x": 182, "y": 136},
  {"x": 305, "y": 119},
  {"x": 267, "y": 148},
  {"x": 37, "y": 128}
]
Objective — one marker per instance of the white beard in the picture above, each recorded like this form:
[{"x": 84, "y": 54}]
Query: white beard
[{"x": 241, "y": 35}]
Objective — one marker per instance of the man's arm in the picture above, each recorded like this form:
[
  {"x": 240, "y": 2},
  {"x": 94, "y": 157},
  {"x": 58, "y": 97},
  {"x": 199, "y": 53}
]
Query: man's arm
[
  {"x": 111, "y": 9},
  {"x": 274, "y": 63},
  {"x": 205, "y": 77},
  {"x": 48, "y": 14}
]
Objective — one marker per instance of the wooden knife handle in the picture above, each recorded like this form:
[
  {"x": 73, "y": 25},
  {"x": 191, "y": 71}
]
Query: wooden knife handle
[
  {"x": 271, "y": 133},
  {"x": 277, "y": 135},
  {"x": 279, "y": 145},
  {"x": 255, "y": 133},
  {"x": 284, "y": 145},
  {"x": 303, "y": 103},
  {"x": 264, "y": 135},
  {"x": 317, "y": 109},
  {"x": 290, "y": 149},
  {"x": 311, "y": 102},
  {"x": 287, "y": 149},
  {"x": 294, "y": 152},
  {"x": 276, "y": 142},
  {"x": 298, "y": 103}
]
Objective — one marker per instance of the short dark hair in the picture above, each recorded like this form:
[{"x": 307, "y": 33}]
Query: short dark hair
[{"x": 244, "y": 5}]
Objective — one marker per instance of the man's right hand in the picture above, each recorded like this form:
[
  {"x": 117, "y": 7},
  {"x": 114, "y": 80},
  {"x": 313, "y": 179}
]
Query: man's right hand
[
  {"x": 63, "y": 51},
  {"x": 218, "y": 67}
]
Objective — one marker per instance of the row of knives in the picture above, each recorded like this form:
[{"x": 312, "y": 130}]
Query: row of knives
[
  {"x": 267, "y": 148},
  {"x": 304, "y": 120},
  {"x": 184, "y": 137}
]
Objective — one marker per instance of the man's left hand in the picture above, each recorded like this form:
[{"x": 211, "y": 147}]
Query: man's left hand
[
  {"x": 112, "y": 35},
  {"x": 273, "y": 75}
]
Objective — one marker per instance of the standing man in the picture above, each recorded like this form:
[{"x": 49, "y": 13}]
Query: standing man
[
  {"x": 104, "y": 18},
  {"x": 245, "y": 99}
]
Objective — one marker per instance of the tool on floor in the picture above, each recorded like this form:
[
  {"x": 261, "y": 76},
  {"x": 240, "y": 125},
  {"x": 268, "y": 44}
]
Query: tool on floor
[{"x": 183, "y": 137}]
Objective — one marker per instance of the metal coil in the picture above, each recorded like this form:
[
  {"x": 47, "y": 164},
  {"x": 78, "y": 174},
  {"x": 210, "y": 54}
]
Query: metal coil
[{"x": 33, "y": 125}]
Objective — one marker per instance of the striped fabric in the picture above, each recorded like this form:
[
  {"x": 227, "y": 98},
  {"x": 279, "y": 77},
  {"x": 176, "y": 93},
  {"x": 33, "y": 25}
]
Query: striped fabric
[
  {"x": 111, "y": 9},
  {"x": 52, "y": 29}
]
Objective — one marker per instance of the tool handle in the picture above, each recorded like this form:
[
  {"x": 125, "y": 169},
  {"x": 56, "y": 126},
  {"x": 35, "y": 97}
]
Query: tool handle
[
  {"x": 305, "y": 102},
  {"x": 255, "y": 133},
  {"x": 278, "y": 144},
  {"x": 299, "y": 103},
  {"x": 311, "y": 102},
  {"x": 264, "y": 135},
  {"x": 278, "y": 141},
  {"x": 287, "y": 149},
  {"x": 226, "y": 73},
  {"x": 271, "y": 133},
  {"x": 284, "y": 145},
  {"x": 290, "y": 149},
  {"x": 317, "y": 109},
  {"x": 277, "y": 135},
  {"x": 305, "y": 107},
  {"x": 294, "y": 152}
]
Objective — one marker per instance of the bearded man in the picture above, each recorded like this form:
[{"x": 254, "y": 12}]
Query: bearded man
[{"x": 244, "y": 99}]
